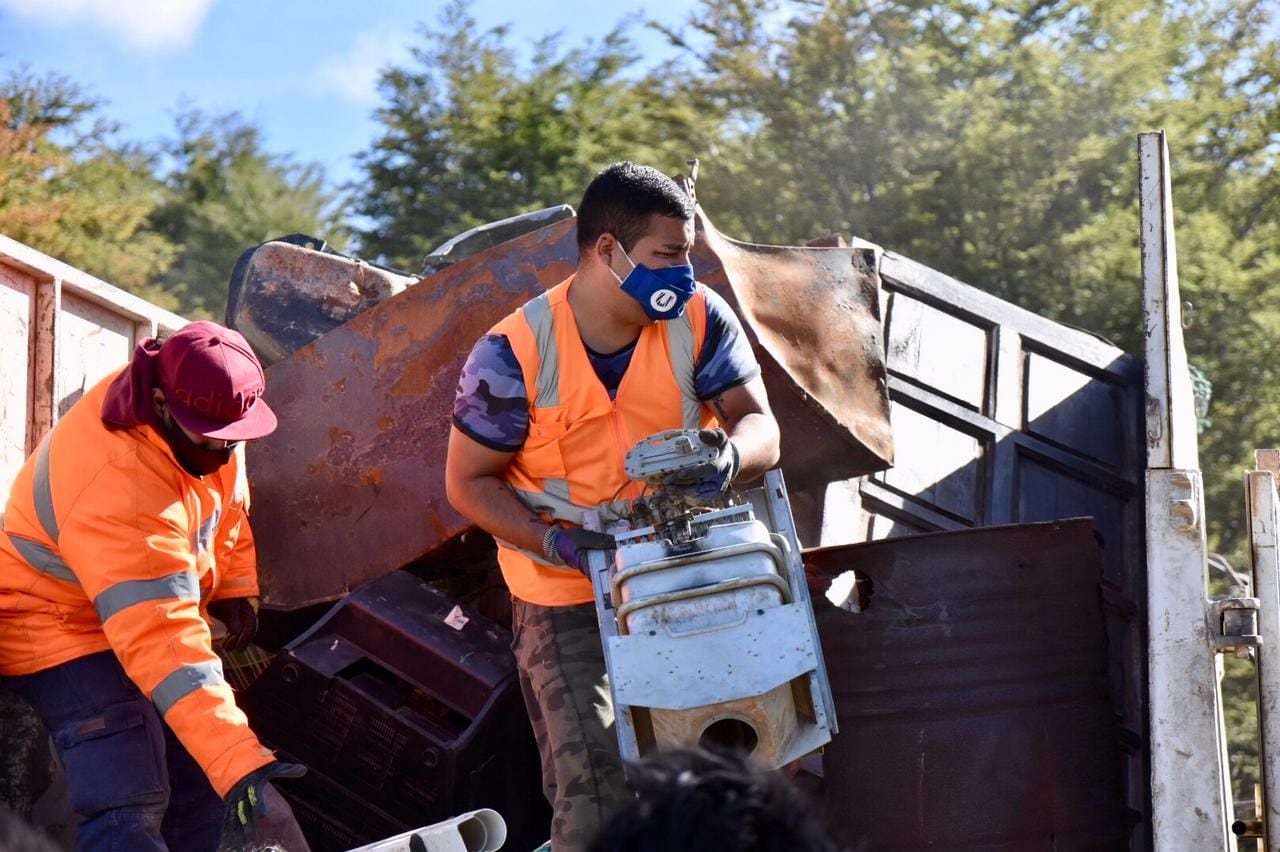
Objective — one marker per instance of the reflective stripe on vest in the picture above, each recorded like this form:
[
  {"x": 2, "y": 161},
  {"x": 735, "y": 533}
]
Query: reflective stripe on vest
[
  {"x": 185, "y": 681},
  {"x": 183, "y": 585},
  {"x": 553, "y": 500},
  {"x": 537, "y": 313},
  {"x": 683, "y": 362},
  {"x": 43, "y": 559},
  {"x": 39, "y": 556},
  {"x": 44, "y": 491},
  {"x": 547, "y": 503}
]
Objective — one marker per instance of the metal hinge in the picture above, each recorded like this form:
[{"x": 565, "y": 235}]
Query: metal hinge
[{"x": 1233, "y": 624}]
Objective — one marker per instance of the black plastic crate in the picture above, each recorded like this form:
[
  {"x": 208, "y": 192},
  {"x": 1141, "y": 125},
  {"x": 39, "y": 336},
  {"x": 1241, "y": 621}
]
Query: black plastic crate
[{"x": 400, "y": 717}]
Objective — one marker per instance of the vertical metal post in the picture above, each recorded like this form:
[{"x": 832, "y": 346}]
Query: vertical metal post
[
  {"x": 1264, "y": 522},
  {"x": 1171, "y": 424},
  {"x": 1190, "y": 792}
]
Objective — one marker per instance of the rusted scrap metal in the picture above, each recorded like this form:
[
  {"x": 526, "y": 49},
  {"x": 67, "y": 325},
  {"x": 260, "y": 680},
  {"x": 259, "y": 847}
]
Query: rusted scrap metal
[
  {"x": 484, "y": 237},
  {"x": 972, "y": 692},
  {"x": 286, "y": 293},
  {"x": 813, "y": 317},
  {"x": 352, "y": 484}
]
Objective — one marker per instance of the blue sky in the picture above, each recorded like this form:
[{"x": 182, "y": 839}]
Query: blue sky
[{"x": 304, "y": 72}]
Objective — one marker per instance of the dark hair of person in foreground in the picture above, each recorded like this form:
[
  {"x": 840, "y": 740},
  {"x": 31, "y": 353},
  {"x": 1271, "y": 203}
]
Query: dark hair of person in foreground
[{"x": 702, "y": 800}]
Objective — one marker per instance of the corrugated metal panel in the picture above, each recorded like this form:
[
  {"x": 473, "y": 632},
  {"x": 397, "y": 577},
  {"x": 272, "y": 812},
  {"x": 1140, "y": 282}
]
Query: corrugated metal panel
[{"x": 972, "y": 693}]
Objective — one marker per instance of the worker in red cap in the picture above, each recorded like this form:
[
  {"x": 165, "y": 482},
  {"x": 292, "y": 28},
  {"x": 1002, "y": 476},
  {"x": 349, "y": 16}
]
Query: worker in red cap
[{"x": 124, "y": 531}]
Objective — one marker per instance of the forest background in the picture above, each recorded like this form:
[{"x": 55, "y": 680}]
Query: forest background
[{"x": 993, "y": 140}]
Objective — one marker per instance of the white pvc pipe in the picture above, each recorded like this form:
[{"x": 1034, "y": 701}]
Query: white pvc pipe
[{"x": 482, "y": 830}]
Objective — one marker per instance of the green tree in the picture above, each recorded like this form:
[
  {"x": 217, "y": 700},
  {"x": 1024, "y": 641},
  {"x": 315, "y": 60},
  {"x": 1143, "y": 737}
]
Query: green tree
[
  {"x": 971, "y": 136},
  {"x": 67, "y": 189},
  {"x": 471, "y": 134},
  {"x": 225, "y": 193},
  {"x": 1229, "y": 241}
]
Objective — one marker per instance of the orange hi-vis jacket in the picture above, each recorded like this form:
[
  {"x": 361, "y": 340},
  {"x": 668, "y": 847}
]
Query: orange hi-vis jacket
[
  {"x": 572, "y": 458},
  {"x": 109, "y": 544}
]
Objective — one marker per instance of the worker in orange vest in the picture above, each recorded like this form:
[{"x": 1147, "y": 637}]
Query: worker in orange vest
[
  {"x": 548, "y": 404},
  {"x": 124, "y": 530}
]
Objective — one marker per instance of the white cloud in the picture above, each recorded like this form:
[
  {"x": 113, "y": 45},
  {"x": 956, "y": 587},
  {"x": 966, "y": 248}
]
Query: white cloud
[
  {"x": 147, "y": 24},
  {"x": 353, "y": 74}
]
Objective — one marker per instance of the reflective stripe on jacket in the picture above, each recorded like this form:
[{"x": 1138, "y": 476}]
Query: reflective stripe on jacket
[
  {"x": 108, "y": 544},
  {"x": 572, "y": 458}
]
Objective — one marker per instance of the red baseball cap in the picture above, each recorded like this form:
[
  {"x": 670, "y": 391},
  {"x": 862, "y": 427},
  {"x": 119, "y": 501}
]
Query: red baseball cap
[{"x": 213, "y": 383}]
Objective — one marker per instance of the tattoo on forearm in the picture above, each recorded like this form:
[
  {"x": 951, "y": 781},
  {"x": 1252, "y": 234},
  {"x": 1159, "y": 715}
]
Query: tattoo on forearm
[{"x": 717, "y": 403}]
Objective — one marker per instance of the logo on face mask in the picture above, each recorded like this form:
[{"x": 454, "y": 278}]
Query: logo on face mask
[
  {"x": 662, "y": 292},
  {"x": 663, "y": 301}
]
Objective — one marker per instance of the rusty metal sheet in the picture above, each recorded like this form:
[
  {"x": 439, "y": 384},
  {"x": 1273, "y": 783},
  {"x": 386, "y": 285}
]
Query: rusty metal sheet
[
  {"x": 813, "y": 315},
  {"x": 289, "y": 291},
  {"x": 351, "y": 486},
  {"x": 971, "y": 693},
  {"x": 286, "y": 293}
]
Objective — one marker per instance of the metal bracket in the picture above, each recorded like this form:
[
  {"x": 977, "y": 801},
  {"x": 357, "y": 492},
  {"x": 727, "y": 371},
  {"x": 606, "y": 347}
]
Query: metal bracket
[
  {"x": 1233, "y": 624},
  {"x": 1184, "y": 503}
]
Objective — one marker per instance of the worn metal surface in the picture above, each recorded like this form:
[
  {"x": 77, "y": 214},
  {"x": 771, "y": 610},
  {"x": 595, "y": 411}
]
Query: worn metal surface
[
  {"x": 971, "y": 693},
  {"x": 1001, "y": 416},
  {"x": 813, "y": 315},
  {"x": 284, "y": 294},
  {"x": 1171, "y": 433},
  {"x": 351, "y": 485},
  {"x": 61, "y": 331},
  {"x": 287, "y": 292},
  {"x": 1190, "y": 793},
  {"x": 490, "y": 234},
  {"x": 713, "y": 624},
  {"x": 1190, "y": 781},
  {"x": 1264, "y": 522}
]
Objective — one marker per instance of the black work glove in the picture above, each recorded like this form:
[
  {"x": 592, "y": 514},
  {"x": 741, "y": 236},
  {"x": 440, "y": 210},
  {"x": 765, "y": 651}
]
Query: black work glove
[
  {"x": 247, "y": 801},
  {"x": 241, "y": 618},
  {"x": 570, "y": 545},
  {"x": 713, "y": 478}
]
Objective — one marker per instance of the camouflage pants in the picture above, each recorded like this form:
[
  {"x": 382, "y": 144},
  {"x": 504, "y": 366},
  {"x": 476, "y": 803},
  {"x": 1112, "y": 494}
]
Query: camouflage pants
[{"x": 566, "y": 691}]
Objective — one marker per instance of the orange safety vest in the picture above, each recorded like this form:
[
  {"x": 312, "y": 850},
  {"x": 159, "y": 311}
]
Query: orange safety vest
[
  {"x": 107, "y": 543},
  {"x": 572, "y": 458}
]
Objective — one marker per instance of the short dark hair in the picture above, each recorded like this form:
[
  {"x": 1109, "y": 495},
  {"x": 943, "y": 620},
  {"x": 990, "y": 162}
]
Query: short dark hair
[
  {"x": 689, "y": 800},
  {"x": 621, "y": 199}
]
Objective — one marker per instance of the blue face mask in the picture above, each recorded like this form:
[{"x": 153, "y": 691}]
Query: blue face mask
[{"x": 662, "y": 293}]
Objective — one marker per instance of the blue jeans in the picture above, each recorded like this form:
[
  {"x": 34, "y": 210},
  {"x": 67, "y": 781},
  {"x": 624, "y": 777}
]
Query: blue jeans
[{"x": 133, "y": 786}]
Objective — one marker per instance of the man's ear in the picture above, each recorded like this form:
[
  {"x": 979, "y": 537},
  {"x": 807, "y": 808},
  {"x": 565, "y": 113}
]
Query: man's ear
[{"x": 605, "y": 246}]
